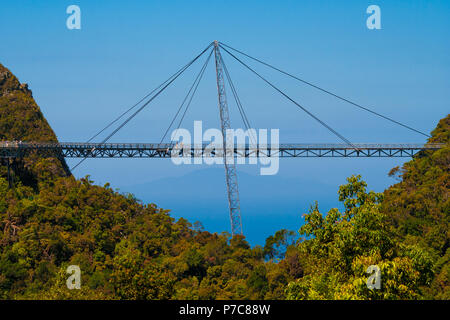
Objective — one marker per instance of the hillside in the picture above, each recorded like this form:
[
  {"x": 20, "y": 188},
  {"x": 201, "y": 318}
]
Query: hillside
[
  {"x": 130, "y": 250},
  {"x": 22, "y": 120},
  {"x": 419, "y": 206}
]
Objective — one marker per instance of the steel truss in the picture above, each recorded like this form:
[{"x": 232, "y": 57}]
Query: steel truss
[{"x": 167, "y": 150}]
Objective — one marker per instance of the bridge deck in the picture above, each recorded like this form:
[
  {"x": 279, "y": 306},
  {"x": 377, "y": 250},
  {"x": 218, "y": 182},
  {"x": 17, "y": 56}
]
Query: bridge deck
[{"x": 164, "y": 150}]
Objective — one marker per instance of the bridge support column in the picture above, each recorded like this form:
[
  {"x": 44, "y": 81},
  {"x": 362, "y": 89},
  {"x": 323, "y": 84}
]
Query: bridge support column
[
  {"x": 230, "y": 167},
  {"x": 10, "y": 174}
]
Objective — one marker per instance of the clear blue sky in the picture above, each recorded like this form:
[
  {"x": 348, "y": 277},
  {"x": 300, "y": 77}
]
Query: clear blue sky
[{"x": 81, "y": 79}]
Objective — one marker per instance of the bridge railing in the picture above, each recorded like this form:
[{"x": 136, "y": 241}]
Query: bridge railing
[
  {"x": 65, "y": 145},
  {"x": 20, "y": 149}
]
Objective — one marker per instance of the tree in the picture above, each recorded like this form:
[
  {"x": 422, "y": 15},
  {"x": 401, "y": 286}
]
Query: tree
[
  {"x": 339, "y": 247},
  {"x": 277, "y": 245}
]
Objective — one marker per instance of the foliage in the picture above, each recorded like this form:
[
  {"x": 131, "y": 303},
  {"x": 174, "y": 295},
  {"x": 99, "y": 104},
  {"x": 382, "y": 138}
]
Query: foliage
[
  {"x": 125, "y": 250},
  {"x": 418, "y": 207},
  {"x": 342, "y": 245},
  {"x": 277, "y": 245},
  {"x": 22, "y": 120}
]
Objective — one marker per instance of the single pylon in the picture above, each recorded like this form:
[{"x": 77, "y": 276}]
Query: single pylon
[{"x": 230, "y": 167}]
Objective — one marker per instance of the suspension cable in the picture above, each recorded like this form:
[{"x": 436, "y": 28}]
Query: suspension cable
[
  {"x": 192, "y": 96},
  {"x": 137, "y": 103},
  {"x": 195, "y": 84},
  {"x": 326, "y": 91},
  {"x": 150, "y": 100},
  {"x": 238, "y": 101},
  {"x": 293, "y": 101}
]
